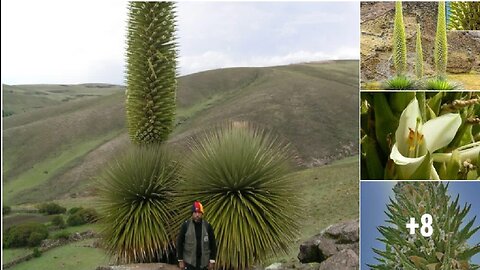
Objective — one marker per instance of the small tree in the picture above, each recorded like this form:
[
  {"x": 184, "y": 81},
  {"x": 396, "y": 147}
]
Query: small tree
[{"x": 399, "y": 41}]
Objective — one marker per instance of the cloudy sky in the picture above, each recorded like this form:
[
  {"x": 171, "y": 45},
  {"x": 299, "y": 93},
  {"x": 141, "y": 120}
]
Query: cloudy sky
[{"x": 56, "y": 41}]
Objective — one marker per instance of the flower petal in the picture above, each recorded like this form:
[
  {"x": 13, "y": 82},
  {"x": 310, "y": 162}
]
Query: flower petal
[
  {"x": 440, "y": 131},
  {"x": 408, "y": 119},
  {"x": 407, "y": 165}
]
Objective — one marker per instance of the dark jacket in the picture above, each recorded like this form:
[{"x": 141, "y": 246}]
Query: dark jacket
[{"x": 196, "y": 243}]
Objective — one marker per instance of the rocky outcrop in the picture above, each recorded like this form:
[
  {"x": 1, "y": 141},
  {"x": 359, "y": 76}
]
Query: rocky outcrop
[
  {"x": 377, "y": 35},
  {"x": 335, "y": 248}
]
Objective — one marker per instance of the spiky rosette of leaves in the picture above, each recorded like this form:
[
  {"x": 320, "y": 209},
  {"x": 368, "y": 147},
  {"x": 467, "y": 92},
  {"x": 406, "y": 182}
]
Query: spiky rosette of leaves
[
  {"x": 441, "y": 46},
  {"x": 151, "y": 71},
  {"x": 240, "y": 174},
  {"x": 136, "y": 198},
  {"x": 464, "y": 16},
  {"x": 399, "y": 83},
  {"x": 441, "y": 84},
  {"x": 419, "y": 54},
  {"x": 399, "y": 41},
  {"x": 446, "y": 248}
]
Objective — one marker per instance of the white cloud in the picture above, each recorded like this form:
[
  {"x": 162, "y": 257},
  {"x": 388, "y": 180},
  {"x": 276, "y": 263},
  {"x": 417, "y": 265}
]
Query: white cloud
[
  {"x": 215, "y": 59},
  {"x": 56, "y": 41}
]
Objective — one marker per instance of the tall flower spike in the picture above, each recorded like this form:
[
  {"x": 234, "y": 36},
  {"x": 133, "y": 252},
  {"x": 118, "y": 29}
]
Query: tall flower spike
[{"x": 399, "y": 41}]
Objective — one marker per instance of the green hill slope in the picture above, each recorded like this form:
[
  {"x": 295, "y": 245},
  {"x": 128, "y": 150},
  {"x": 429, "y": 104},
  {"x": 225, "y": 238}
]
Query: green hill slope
[{"x": 56, "y": 142}]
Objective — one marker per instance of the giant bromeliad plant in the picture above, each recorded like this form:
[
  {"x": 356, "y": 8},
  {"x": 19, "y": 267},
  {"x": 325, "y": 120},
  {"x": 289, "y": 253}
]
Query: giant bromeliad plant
[
  {"x": 441, "y": 54},
  {"x": 136, "y": 197},
  {"x": 240, "y": 174},
  {"x": 409, "y": 135},
  {"x": 400, "y": 81},
  {"x": 137, "y": 190},
  {"x": 446, "y": 248}
]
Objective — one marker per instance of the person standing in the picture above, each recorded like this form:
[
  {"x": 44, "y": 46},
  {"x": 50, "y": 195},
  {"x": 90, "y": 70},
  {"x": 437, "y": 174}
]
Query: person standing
[{"x": 196, "y": 247}]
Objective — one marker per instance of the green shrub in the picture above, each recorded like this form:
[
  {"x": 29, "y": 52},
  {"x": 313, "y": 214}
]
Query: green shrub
[
  {"x": 6, "y": 210},
  {"x": 27, "y": 234},
  {"x": 36, "y": 253},
  {"x": 399, "y": 83},
  {"x": 59, "y": 222},
  {"x": 83, "y": 216},
  {"x": 51, "y": 209},
  {"x": 61, "y": 235},
  {"x": 136, "y": 193},
  {"x": 73, "y": 210},
  {"x": 240, "y": 174}
]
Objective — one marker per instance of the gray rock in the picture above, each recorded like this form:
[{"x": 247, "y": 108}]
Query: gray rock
[
  {"x": 336, "y": 239},
  {"x": 346, "y": 259}
]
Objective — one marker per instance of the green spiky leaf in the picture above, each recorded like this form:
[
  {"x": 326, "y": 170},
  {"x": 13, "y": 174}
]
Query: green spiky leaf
[{"x": 136, "y": 197}]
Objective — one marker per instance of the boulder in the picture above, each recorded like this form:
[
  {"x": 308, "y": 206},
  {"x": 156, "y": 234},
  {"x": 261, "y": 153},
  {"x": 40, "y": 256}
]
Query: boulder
[
  {"x": 346, "y": 259},
  {"x": 336, "y": 239}
]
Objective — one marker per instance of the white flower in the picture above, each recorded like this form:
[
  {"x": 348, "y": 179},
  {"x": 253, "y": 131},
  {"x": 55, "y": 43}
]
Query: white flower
[{"x": 414, "y": 139}]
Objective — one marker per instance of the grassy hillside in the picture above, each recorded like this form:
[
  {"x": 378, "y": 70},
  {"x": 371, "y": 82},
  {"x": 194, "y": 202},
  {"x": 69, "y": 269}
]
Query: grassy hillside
[
  {"x": 24, "y": 98},
  {"x": 59, "y": 137}
]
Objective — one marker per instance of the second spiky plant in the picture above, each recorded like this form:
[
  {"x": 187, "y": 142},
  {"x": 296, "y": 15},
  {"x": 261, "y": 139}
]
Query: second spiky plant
[
  {"x": 441, "y": 46},
  {"x": 446, "y": 248},
  {"x": 399, "y": 41},
  {"x": 240, "y": 174}
]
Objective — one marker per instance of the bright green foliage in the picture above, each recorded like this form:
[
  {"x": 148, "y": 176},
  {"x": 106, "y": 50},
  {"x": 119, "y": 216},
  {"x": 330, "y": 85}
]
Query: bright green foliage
[
  {"x": 380, "y": 115},
  {"x": 399, "y": 83},
  {"x": 441, "y": 46},
  {"x": 419, "y": 54},
  {"x": 440, "y": 84},
  {"x": 82, "y": 216},
  {"x": 136, "y": 194},
  {"x": 464, "y": 16},
  {"x": 399, "y": 41},
  {"x": 59, "y": 222},
  {"x": 239, "y": 173},
  {"x": 36, "y": 253},
  {"x": 447, "y": 248},
  {"x": 151, "y": 71}
]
